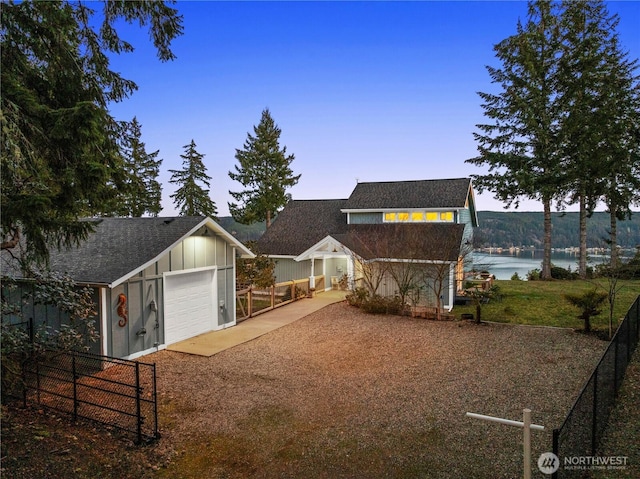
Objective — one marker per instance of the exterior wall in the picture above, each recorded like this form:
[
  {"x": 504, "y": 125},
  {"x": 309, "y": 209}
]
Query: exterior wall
[
  {"x": 426, "y": 295},
  {"x": 335, "y": 266},
  {"x": 147, "y": 287},
  {"x": 287, "y": 269},
  {"x": 40, "y": 315},
  {"x": 365, "y": 218}
]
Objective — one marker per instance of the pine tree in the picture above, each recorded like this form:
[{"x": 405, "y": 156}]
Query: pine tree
[
  {"x": 59, "y": 153},
  {"x": 141, "y": 193},
  {"x": 519, "y": 144},
  {"x": 265, "y": 170},
  {"x": 191, "y": 198}
]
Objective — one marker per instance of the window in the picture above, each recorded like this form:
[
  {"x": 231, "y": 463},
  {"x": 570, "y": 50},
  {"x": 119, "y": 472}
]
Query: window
[
  {"x": 403, "y": 216},
  {"x": 389, "y": 216},
  {"x": 446, "y": 216},
  {"x": 432, "y": 216},
  {"x": 417, "y": 216}
]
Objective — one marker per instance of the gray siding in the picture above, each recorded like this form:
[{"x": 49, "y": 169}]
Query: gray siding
[
  {"x": 142, "y": 289},
  {"x": 39, "y": 315},
  {"x": 287, "y": 269},
  {"x": 365, "y": 218}
]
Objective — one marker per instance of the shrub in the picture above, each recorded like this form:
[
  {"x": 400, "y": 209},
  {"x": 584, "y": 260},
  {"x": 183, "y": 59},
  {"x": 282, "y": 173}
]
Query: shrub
[
  {"x": 375, "y": 304},
  {"x": 357, "y": 297},
  {"x": 516, "y": 277},
  {"x": 382, "y": 305},
  {"x": 561, "y": 273},
  {"x": 533, "y": 275}
]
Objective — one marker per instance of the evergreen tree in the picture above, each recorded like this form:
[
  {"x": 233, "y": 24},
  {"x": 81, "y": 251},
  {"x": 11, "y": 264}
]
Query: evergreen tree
[
  {"x": 59, "y": 154},
  {"x": 265, "y": 170},
  {"x": 596, "y": 95},
  {"x": 141, "y": 193},
  {"x": 519, "y": 144},
  {"x": 191, "y": 198},
  {"x": 621, "y": 133}
]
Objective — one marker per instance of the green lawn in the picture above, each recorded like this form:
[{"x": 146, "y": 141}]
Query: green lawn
[{"x": 542, "y": 303}]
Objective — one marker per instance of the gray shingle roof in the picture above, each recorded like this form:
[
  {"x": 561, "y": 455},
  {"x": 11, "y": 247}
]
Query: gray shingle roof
[
  {"x": 424, "y": 241},
  {"x": 450, "y": 193},
  {"x": 119, "y": 246},
  {"x": 301, "y": 224}
]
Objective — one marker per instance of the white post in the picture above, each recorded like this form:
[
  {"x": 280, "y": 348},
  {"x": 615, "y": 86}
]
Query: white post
[
  {"x": 526, "y": 419},
  {"x": 312, "y": 278},
  {"x": 526, "y": 425}
]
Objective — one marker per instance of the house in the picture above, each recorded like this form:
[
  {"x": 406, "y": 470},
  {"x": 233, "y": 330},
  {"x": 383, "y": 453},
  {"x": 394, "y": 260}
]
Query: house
[
  {"x": 426, "y": 222},
  {"x": 156, "y": 281}
]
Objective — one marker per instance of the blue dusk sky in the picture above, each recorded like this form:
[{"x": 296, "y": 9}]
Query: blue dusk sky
[{"x": 362, "y": 91}]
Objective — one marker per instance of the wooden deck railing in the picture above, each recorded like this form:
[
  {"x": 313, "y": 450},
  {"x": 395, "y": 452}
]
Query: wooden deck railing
[{"x": 252, "y": 301}]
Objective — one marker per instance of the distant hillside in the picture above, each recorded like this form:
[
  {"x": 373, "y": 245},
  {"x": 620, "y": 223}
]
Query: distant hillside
[
  {"x": 242, "y": 232},
  {"x": 505, "y": 229}
]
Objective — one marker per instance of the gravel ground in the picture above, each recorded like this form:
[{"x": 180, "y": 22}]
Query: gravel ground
[{"x": 345, "y": 394}]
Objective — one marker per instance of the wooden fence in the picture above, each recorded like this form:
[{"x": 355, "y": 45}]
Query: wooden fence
[{"x": 252, "y": 301}]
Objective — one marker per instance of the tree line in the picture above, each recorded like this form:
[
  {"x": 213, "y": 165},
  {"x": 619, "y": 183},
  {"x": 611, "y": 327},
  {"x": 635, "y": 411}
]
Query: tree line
[
  {"x": 517, "y": 229},
  {"x": 563, "y": 125}
]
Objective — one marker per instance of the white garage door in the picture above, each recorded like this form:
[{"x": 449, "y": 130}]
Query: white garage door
[{"x": 189, "y": 304}]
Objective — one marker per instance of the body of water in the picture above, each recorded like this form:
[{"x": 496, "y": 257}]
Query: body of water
[{"x": 504, "y": 265}]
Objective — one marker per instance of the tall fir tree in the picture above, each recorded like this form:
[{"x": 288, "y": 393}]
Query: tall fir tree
[
  {"x": 59, "y": 153},
  {"x": 141, "y": 192},
  {"x": 191, "y": 198},
  {"x": 519, "y": 144},
  {"x": 265, "y": 171},
  {"x": 593, "y": 98}
]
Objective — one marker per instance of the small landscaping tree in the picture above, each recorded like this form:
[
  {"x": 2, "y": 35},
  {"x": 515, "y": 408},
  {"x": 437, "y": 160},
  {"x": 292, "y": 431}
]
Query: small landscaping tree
[
  {"x": 480, "y": 296},
  {"x": 589, "y": 304}
]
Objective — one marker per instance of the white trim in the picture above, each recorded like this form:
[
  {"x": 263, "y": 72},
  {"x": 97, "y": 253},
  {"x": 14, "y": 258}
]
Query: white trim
[
  {"x": 399, "y": 209},
  {"x": 452, "y": 283},
  {"x": 398, "y": 260},
  {"x": 184, "y": 271},
  {"x": 104, "y": 324},
  {"x": 205, "y": 222},
  {"x": 214, "y": 295},
  {"x": 327, "y": 241}
]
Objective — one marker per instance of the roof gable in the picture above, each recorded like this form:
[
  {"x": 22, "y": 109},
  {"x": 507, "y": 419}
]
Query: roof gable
[
  {"x": 301, "y": 224},
  {"x": 450, "y": 193},
  {"x": 121, "y": 247}
]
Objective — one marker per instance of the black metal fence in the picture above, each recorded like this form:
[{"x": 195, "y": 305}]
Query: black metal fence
[
  {"x": 111, "y": 391},
  {"x": 583, "y": 428}
]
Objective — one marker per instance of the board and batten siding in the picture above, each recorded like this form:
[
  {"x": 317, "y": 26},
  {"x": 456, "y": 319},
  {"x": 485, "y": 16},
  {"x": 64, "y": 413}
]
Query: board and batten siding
[
  {"x": 147, "y": 286},
  {"x": 371, "y": 218},
  {"x": 42, "y": 316}
]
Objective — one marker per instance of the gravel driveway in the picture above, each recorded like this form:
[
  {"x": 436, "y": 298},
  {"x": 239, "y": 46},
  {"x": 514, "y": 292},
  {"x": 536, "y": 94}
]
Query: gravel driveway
[{"x": 340, "y": 393}]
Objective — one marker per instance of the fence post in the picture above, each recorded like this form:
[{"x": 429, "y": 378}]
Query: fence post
[
  {"x": 273, "y": 296},
  {"x": 615, "y": 366},
  {"x": 75, "y": 386},
  {"x": 24, "y": 383},
  {"x": 249, "y": 301},
  {"x": 138, "y": 405},
  {"x": 156, "y": 434},
  {"x": 594, "y": 412},
  {"x": 628, "y": 321},
  {"x": 554, "y": 447}
]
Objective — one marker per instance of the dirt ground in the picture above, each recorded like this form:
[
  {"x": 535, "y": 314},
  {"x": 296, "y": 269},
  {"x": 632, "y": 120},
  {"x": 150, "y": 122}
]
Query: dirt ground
[{"x": 336, "y": 394}]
